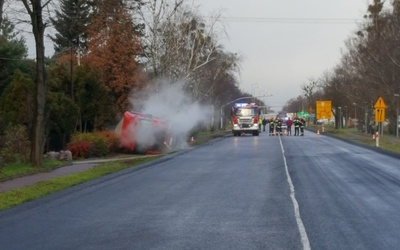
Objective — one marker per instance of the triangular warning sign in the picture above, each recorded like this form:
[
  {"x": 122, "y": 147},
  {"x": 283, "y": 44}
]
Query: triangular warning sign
[{"x": 380, "y": 104}]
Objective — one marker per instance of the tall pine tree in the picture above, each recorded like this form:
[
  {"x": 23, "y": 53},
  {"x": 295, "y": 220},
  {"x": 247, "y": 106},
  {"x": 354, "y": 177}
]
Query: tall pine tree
[
  {"x": 13, "y": 51},
  {"x": 71, "y": 22}
]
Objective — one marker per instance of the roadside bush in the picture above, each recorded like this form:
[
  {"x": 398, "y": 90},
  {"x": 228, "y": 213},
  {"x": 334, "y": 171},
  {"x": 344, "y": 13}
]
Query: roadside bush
[
  {"x": 15, "y": 145},
  {"x": 111, "y": 140},
  {"x": 97, "y": 144},
  {"x": 79, "y": 149}
]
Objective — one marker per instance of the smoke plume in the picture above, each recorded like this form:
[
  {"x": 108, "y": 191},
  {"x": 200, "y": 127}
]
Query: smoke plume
[{"x": 181, "y": 113}]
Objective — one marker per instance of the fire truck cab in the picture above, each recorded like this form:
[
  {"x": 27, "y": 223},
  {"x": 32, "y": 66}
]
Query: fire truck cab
[{"x": 245, "y": 119}]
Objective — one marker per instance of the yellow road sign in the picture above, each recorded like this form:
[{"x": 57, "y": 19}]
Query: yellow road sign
[
  {"x": 324, "y": 110},
  {"x": 379, "y": 115},
  {"x": 380, "y": 108},
  {"x": 380, "y": 104}
]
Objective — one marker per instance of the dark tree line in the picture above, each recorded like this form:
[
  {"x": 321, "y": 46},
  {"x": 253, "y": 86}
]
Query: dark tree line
[{"x": 105, "y": 50}]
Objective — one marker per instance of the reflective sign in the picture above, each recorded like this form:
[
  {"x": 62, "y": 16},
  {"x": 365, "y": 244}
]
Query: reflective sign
[
  {"x": 324, "y": 110},
  {"x": 380, "y": 108}
]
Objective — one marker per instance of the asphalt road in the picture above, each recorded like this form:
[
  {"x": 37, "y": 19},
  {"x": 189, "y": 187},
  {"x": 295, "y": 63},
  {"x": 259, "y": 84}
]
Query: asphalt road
[{"x": 261, "y": 192}]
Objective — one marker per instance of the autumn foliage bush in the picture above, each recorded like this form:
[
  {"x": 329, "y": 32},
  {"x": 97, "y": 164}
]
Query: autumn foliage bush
[
  {"x": 97, "y": 144},
  {"x": 79, "y": 149},
  {"x": 111, "y": 140}
]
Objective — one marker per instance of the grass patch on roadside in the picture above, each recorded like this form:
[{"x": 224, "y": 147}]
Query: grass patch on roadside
[
  {"x": 41, "y": 189},
  {"x": 15, "y": 170},
  {"x": 386, "y": 142}
]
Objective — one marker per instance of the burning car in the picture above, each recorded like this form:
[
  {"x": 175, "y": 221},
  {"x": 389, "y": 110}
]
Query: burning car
[{"x": 143, "y": 133}]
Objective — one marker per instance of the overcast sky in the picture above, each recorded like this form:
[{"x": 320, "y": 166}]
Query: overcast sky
[{"x": 280, "y": 50}]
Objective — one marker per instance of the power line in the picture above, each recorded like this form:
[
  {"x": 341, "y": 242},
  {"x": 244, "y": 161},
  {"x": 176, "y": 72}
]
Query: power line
[
  {"x": 13, "y": 59},
  {"x": 284, "y": 20}
]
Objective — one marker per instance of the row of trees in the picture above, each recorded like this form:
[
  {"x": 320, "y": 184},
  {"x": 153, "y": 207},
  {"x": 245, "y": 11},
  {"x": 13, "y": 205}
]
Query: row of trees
[
  {"x": 369, "y": 68},
  {"x": 106, "y": 53}
]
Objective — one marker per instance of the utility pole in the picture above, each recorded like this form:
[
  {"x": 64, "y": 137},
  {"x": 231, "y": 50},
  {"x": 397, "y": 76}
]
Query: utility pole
[
  {"x": 355, "y": 115},
  {"x": 397, "y": 115},
  {"x": 252, "y": 90}
]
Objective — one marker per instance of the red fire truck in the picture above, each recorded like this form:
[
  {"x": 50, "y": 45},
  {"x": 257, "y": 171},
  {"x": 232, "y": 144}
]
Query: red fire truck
[{"x": 245, "y": 118}]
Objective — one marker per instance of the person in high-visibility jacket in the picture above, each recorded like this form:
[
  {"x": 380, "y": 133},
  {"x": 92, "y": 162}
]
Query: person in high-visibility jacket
[
  {"x": 259, "y": 123},
  {"x": 271, "y": 126},
  {"x": 302, "y": 125},
  {"x": 278, "y": 126},
  {"x": 297, "y": 124}
]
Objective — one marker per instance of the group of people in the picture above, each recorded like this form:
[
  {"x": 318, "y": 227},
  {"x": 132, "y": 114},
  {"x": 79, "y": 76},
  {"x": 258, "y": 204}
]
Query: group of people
[{"x": 275, "y": 126}]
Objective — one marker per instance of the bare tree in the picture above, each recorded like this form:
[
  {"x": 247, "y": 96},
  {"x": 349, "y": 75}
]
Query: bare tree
[
  {"x": 309, "y": 91},
  {"x": 153, "y": 14},
  {"x": 180, "y": 41},
  {"x": 191, "y": 41}
]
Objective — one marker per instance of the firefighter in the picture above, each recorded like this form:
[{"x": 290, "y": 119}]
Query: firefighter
[
  {"x": 278, "y": 126},
  {"x": 271, "y": 126},
  {"x": 297, "y": 124},
  {"x": 302, "y": 125}
]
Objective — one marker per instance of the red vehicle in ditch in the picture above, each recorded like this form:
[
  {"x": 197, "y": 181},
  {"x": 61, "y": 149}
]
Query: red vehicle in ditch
[{"x": 143, "y": 133}]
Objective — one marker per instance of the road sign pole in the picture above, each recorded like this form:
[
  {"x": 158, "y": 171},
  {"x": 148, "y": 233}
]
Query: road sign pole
[{"x": 377, "y": 139}]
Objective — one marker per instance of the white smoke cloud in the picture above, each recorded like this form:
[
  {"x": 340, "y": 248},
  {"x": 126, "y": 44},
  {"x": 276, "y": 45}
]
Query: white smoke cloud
[{"x": 181, "y": 113}]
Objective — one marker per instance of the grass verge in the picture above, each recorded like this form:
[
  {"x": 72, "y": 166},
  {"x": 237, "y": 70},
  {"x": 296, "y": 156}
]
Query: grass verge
[
  {"x": 386, "y": 142},
  {"x": 41, "y": 189},
  {"x": 18, "y": 169}
]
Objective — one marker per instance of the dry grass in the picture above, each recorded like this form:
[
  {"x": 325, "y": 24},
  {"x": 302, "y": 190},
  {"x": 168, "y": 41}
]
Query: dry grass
[{"x": 386, "y": 142}]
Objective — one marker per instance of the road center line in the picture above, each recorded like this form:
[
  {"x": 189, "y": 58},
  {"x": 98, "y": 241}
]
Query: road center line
[{"x": 300, "y": 225}]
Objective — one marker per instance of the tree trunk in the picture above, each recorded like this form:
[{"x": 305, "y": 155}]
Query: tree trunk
[
  {"x": 1, "y": 11},
  {"x": 37, "y": 134}
]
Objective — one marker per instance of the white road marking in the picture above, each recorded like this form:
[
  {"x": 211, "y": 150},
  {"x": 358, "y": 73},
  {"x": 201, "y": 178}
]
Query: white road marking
[{"x": 300, "y": 225}]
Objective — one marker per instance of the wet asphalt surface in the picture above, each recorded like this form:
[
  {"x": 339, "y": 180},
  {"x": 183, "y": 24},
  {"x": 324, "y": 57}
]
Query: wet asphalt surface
[{"x": 248, "y": 192}]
